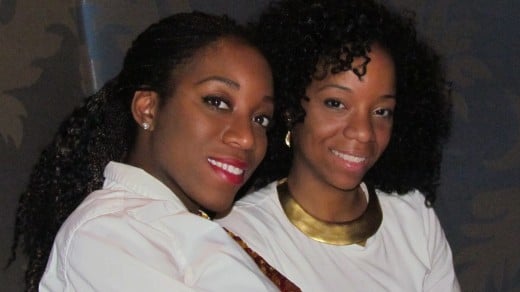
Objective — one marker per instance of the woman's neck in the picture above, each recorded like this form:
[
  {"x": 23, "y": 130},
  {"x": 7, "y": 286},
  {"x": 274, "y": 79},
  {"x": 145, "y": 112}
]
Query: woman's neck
[{"x": 323, "y": 200}]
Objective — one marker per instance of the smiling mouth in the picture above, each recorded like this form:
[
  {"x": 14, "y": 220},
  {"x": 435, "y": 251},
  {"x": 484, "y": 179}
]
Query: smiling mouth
[
  {"x": 348, "y": 158},
  {"x": 226, "y": 167}
]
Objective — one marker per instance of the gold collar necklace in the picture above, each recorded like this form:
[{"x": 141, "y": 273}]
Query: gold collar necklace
[{"x": 356, "y": 231}]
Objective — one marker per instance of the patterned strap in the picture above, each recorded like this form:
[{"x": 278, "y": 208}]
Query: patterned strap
[{"x": 284, "y": 284}]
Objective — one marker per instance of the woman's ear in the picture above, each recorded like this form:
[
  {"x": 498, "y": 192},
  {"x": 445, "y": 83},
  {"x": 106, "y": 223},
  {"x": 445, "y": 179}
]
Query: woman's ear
[{"x": 144, "y": 108}]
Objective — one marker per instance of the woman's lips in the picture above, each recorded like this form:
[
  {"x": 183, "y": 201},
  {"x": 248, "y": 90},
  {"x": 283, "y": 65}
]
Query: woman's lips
[
  {"x": 232, "y": 170},
  {"x": 352, "y": 162},
  {"x": 348, "y": 157}
]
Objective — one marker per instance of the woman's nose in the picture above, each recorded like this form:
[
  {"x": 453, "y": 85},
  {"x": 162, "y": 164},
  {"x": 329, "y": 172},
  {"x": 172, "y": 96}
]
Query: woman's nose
[
  {"x": 359, "y": 127},
  {"x": 239, "y": 133}
]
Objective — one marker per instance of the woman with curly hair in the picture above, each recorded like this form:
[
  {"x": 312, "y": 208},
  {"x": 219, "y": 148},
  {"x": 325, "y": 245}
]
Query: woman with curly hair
[
  {"x": 364, "y": 109},
  {"x": 173, "y": 136}
]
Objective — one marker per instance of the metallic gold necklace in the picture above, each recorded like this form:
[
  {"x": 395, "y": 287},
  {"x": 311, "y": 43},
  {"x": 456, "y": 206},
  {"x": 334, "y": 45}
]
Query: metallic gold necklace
[{"x": 356, "y": 231}]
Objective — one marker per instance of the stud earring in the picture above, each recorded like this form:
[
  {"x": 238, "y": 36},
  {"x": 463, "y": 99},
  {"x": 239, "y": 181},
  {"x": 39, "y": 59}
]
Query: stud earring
[
  {"x": 288, "y": 139},
  {"x": 145, "y": 126}
]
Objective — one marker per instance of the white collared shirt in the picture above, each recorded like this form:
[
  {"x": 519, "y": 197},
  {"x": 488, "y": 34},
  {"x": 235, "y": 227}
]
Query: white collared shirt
[{"x": 135, "y": 235}]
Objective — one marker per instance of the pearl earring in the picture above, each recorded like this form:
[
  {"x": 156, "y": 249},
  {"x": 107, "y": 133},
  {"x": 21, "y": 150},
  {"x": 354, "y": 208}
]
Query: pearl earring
[{"x": 145, "y": 126}]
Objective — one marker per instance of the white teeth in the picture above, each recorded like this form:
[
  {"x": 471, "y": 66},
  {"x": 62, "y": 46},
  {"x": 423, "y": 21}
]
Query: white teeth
[
  {"x": 227, "y": 167},
  {"x": 347, "y": 157}
]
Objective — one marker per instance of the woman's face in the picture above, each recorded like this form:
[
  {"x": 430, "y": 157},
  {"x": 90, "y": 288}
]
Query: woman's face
[
  {"x": 210, "y": 134},
  {"x": 348, "y": 124}
]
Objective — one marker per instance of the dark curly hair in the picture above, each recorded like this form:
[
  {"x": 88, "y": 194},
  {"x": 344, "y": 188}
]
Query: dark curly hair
[
  {"x": 102, "y": 129},
  {"x": 303, "y": 38}
]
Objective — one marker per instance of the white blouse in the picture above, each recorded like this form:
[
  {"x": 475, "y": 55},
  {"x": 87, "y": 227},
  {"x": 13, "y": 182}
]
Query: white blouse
[{"x": 135, "y": 235}]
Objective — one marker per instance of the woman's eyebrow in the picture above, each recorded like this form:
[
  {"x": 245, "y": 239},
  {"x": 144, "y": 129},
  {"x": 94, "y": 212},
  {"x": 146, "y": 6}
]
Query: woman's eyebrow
[
  {"x": 345, "y": 88},
  {"x": 331, "y": 85},
  {"x": 221, "y": 79}
]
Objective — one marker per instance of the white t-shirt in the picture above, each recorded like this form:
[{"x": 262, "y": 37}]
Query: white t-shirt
[
  {"x": 135, "y": 235},
  {"x": 409, "y": 251}
]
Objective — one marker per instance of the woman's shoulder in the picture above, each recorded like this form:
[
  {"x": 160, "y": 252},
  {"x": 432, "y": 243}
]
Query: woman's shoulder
[
  {"x": 412, "y": 200},
  {"x": 96, "y": 208},
  {"x": 255, "y": 213},
  {"x": 409, "y": 209},
  {"x": 112, "y": 211},
  {"x": 258, "y": 197}
]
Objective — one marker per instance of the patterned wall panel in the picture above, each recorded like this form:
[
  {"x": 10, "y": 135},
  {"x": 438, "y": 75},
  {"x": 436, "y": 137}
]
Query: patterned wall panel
[
  {"x": 480, "y": 188},
  {"x": 39, "y": 80}
]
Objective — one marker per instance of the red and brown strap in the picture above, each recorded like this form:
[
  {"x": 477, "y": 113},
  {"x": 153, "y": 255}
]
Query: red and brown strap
[{"x": 284, "y": 284}]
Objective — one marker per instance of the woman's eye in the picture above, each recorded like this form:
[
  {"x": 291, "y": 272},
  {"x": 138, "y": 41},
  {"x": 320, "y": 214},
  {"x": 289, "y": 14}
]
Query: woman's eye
[
  {"x": 384, "y": 112},
  {"x": 217, "y": 102},
  {"x": 333, "y": 103},
  {"x": 262, "y": 120}
]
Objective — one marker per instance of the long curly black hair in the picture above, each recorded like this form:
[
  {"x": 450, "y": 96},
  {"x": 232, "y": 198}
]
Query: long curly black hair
[
  {"x": 102, "y": 129},
  {"x": 303, "y": 38}
]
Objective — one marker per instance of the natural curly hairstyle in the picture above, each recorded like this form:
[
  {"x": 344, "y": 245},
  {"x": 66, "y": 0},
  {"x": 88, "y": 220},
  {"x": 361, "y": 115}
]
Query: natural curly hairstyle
[
  {"x": 102, "y": 129},
  {"x": 303, "y": 38}
]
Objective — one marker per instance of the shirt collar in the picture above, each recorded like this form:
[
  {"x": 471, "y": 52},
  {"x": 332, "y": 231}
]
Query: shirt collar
[{"x": 139, "y": 181}]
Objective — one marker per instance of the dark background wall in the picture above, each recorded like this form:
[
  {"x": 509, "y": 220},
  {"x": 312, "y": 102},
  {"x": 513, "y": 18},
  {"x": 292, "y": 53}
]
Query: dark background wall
[{"x": 52, "y": 55}]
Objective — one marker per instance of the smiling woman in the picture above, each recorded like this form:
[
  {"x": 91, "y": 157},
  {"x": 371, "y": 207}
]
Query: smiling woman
[
  {"x": 348, "y": 124},
  {"x": 362, "y": 105},
  {"x": 213, "y": 125},
  {"x": 130, "y": 172}
]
